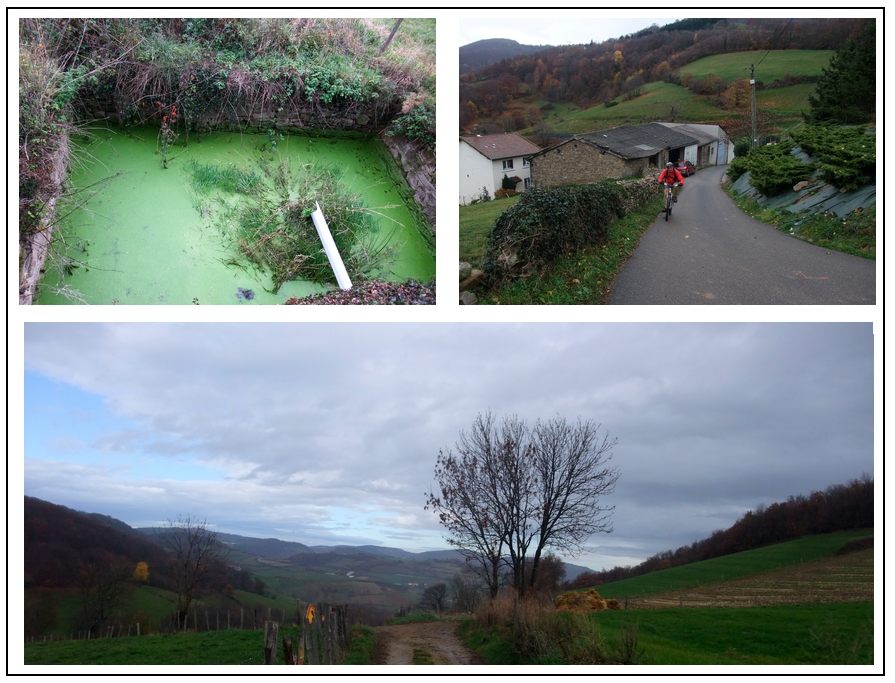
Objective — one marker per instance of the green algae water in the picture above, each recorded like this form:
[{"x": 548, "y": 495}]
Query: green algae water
[{"x": 133, "y": 232}]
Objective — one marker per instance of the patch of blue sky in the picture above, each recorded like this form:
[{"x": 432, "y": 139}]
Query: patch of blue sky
[{"x": 66, "y": 424}]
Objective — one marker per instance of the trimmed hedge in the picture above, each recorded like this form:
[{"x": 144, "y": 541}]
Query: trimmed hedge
[{"x": 548, "y": 223}]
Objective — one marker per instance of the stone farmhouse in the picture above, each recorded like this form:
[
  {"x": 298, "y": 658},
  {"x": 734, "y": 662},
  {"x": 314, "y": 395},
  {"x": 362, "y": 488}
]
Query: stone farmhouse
[
  {"x": 485, "y": 160},
  {"x": 628, "y": 151}
]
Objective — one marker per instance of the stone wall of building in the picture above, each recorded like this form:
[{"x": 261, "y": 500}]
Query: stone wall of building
[{"x": 577, "y": 163}]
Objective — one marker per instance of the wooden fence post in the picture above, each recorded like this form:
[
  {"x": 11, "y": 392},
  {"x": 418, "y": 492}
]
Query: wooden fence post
[
  {"x": 270, "y": 642},
  {"x": 290, "y": 651}
]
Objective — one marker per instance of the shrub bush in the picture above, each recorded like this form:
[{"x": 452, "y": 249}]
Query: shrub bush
[
  {"x": 547, "y": 223},
  {"x": 417, "y": 124},
  {"x": 774, "y": 170},
  {"x": 847, "y": 156},
  {"x": 737, "y": 167},
  {"x": 742, "y": 147}
]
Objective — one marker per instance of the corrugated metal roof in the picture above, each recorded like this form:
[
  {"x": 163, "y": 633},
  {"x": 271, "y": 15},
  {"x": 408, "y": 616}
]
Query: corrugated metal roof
[
  {"x": 702, "y": 136},
  {"x": 636, "y": 142},
  {"x": 501, "y": 146}
]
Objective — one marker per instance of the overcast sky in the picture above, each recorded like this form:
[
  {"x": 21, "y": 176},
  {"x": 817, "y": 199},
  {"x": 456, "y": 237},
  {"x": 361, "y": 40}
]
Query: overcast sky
[
  {"x": 561, "y": 29},
  {"x": 326, "y": 434}
]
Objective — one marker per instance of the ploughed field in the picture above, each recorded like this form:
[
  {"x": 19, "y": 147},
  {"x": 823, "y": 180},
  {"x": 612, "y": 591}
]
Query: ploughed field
[{"x": 842, "y": 578}]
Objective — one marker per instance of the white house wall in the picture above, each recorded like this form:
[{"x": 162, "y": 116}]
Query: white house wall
[
  {"x": 476, "y": 172},
  {"x": 518, "y": 170}
]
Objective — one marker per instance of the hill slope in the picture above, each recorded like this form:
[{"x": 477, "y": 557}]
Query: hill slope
[
  {"x": 734, "y": 566},
  {"x": 513, "y": 94},
  {"x": 61, "y": 543},
  {"x": 483, "y": 53}
]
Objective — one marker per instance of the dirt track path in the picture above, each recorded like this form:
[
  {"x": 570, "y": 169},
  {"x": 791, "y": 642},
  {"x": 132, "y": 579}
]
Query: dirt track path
[{"x": 433, "y": 642}]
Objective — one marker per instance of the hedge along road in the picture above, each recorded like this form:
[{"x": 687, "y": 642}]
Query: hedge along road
[{"x": 710, "y": 252}]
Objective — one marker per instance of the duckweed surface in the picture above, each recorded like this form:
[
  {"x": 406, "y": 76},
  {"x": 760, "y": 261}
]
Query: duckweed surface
[{"x": 134, "y": 233}]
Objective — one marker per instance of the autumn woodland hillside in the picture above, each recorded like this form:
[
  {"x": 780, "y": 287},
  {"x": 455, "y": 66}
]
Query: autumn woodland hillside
[{"x": 516, "y": 93}]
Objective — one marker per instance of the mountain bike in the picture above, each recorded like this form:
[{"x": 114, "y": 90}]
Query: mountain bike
[{"x": 669, "y": 199}]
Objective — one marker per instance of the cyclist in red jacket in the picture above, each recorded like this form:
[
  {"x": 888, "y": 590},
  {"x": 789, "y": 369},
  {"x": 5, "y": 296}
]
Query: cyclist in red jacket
[{"x": 671, "y": 176}]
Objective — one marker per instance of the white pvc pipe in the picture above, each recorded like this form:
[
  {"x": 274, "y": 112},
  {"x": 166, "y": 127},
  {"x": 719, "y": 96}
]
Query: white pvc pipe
[{"x": 329, "y": 246}]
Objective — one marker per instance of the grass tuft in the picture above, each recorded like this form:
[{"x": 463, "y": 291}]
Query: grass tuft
[{"x": 231, "y": 178}]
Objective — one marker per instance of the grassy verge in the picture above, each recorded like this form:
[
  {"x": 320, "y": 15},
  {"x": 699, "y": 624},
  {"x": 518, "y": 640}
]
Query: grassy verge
[
  {"x": 363, "y": 646},
  {"x": 413, "y": 618},
  {"x": 492, "y": 645},
  {"x": 853, "y": 235},
  {"x": 476, "y": 221},
  {"x": 800, "y": 634},
  {"x": 586, "y": 276}
]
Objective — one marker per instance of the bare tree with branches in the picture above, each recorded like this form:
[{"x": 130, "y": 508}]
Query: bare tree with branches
[
  {"x": 195, "y": 549},
  {"x": 512, "y": 491},
  {"x": 573, "y": 475}
]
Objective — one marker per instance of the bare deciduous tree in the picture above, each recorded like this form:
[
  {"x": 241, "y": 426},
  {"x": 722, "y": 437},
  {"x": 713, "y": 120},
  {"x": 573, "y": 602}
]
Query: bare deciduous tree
[
  {"x": 434, "y": 597},
  {"x": 467, "y": 502},
  {"x": 195, "y": 550},
  {"x": 512, "y": 491},
  {"x": 104, "y": 583},
  {"x": 466, "y": 590},
  {"x": 572, "y": 477}
]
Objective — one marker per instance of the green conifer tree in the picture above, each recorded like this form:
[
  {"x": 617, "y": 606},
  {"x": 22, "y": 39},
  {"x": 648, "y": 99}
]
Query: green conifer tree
[{"x": 846, "y": 92}]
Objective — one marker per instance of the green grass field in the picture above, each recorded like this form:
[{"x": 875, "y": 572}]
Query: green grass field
[
  {"x": 214, "y": 647},
  {"x": 151, "y": 606},
  {"x": 476, "y": 221},
  {"x": 786, "y": 101},
  {"x": 839, "y": 633},
  {"x": 658, "y": 101},
  {"x": 732, "y": 566},
  {"x": 777, "y": 64}
]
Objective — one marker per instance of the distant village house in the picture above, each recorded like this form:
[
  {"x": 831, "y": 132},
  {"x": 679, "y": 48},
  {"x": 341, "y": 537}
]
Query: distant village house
[{"x": 485, "y": 160}]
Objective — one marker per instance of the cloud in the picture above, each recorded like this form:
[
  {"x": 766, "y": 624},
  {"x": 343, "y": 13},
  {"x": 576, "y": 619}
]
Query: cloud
[{"x": 328, "y": 429}]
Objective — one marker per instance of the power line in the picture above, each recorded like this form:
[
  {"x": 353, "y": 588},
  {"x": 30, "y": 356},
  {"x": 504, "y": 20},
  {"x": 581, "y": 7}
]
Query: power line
[
  {"x": 752, "y": 68},
  {"x": 779, "y": 34}
]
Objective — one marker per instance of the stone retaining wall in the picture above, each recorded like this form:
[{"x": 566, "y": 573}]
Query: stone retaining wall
[
  {"x": 33, "y": 248},
  {"x": 299, "y": 116},
  {"x": 418, "y": 167}
]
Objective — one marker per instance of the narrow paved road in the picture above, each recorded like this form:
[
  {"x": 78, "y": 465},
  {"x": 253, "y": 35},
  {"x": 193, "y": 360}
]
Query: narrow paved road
[
  {"x": 433, "y": 642},
  {"x": 710, "y": 252}
]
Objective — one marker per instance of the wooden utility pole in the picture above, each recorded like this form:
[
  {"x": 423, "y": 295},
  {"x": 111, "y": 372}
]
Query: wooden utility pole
[{"x": 754, "y": 113}]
